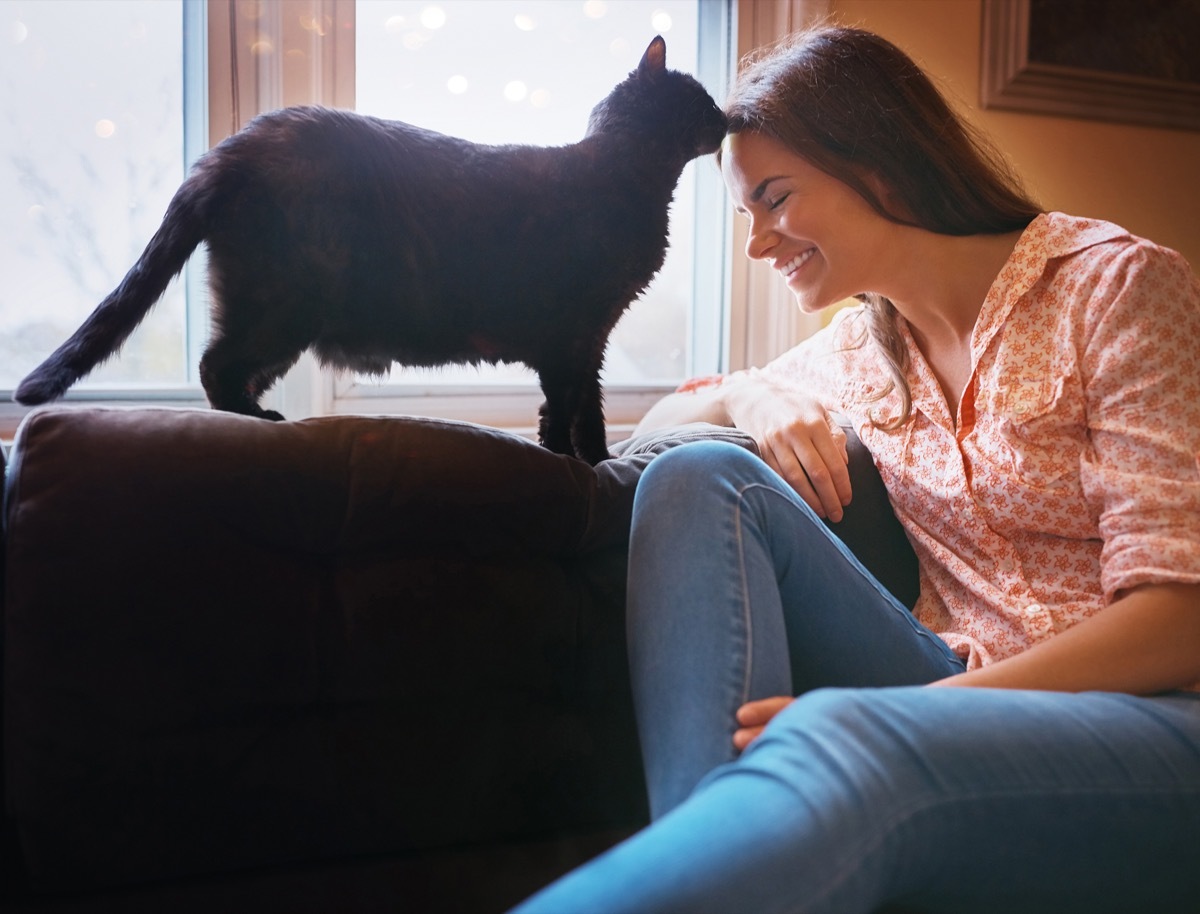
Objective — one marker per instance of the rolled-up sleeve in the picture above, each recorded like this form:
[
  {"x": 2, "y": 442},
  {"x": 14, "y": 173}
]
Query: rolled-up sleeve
[{"x": 1138, "y": 337}]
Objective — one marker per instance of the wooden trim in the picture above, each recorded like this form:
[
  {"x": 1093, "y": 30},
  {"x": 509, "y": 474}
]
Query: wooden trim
[{"x": 1010, "y": 81}]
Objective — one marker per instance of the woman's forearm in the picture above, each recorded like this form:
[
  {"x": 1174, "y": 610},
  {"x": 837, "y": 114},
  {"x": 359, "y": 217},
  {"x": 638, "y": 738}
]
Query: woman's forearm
[
  {"x": 1146, "y": 641},
  {"x": 705, "y": 405},
  {"x": 747, "y": 400}
]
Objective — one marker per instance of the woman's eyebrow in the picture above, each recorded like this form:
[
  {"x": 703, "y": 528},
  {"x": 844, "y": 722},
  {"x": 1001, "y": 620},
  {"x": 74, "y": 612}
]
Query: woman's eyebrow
[
  {"x": 758, "y": 192},
  {"x": 762, "y": 187}
]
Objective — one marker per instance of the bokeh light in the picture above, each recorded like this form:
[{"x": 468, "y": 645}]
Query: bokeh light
[{"x": 433, "y": 17}]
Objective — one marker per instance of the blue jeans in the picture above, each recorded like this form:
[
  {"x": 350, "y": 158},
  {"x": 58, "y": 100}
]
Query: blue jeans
[{"x": 867, "y": 790}]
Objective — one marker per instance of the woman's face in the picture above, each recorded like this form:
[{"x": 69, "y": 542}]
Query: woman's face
[{"x": 823, "y": 238}]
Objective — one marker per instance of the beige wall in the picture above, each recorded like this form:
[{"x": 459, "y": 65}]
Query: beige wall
[{"x": 1146, "y": 179}]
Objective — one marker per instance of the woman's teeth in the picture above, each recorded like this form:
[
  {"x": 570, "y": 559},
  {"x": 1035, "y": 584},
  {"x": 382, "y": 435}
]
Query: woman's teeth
[{"x": 796, "y": 262}]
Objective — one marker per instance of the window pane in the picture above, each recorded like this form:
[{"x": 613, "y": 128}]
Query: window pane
[
  {"x": 92, "y": 146},
  {"x": 530, "y": 71}
]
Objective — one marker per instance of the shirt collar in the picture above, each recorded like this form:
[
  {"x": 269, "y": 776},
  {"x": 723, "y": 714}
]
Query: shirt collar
[{"x": 1049, "y": 237}]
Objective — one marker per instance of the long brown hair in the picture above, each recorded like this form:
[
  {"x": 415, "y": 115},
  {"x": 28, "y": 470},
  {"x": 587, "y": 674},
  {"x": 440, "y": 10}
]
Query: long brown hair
[{"x": 861, "y": 110}]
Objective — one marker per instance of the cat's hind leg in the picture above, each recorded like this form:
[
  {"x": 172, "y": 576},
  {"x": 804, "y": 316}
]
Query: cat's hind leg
[
  {"x": 241, "y": 364},
  {"x": 236, "y": 384}
]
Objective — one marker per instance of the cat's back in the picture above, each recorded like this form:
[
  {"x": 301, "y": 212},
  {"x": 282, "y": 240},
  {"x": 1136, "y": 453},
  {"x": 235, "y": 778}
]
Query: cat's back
[
  {"x": 321, "y": 174},
  {"x": 348, "y": 139},
  {"x": 333, "y": 137},
  {"x": 396, "y": 164}
]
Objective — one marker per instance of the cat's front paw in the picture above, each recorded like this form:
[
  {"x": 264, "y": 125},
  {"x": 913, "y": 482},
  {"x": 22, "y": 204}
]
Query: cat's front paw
[{"x": 256, "y": 412}]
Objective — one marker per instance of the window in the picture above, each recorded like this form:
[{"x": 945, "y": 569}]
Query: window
[
  {"x": 100, "y": 120},
  {"x": 105, "y": 104}
]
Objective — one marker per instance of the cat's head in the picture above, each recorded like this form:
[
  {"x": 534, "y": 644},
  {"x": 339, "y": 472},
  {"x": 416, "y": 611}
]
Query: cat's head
[{"x": 661, "y": 108}]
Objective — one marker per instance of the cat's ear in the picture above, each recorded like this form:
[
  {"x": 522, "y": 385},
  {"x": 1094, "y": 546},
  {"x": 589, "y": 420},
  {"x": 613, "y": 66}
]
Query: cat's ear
[{"x": 654, "y": 61}]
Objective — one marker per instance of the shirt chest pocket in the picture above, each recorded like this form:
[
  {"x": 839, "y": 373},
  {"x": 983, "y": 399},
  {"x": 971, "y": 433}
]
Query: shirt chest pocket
[
  {"x": 1021, "y": 403},
  {"x": 1034, "y": 430}
]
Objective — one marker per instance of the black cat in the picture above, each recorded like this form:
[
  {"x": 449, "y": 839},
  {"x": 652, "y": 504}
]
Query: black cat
[{"x": 374, "y": 241}]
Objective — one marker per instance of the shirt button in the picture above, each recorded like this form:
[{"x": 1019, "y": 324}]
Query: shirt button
[{"x": 1039, "y": 623}]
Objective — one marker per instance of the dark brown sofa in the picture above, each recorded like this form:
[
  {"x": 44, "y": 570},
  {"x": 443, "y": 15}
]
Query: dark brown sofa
[{"x": 343, "y": 664}]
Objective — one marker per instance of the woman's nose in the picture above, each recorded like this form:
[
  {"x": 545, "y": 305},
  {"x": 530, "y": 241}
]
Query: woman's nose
[{"x": 760, "y": 239}]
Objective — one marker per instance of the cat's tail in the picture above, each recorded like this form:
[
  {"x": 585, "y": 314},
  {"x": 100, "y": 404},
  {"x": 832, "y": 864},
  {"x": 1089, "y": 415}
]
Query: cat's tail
[{"x": 184, "y": 226}]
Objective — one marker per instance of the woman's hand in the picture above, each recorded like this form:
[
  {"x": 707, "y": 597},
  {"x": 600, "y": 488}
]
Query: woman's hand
[
  {"x": 796, "y": 437},
  {"x": 794, "y": 433},
  {"x": 753, "y": 716}
]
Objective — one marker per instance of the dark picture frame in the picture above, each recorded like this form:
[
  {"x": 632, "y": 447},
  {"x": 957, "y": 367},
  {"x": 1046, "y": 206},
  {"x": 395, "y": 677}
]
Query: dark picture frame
[{"x": 1131, "y": 61}]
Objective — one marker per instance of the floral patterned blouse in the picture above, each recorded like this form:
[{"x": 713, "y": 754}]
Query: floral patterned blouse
[{"x": 1072, "y": 470}]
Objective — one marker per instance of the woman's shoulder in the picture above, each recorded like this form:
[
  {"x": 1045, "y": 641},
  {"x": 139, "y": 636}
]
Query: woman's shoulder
[
  {"x": 1057, "y": 236},
  {"x": 1091, "y": 256}
]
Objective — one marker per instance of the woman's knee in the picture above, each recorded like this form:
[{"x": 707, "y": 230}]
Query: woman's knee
[
  {"x": 701, "y": 459},
  {"x": 690, "y": 470},
  {"x": 862, "y": 741},
  {"x": 836, "y": 717}
]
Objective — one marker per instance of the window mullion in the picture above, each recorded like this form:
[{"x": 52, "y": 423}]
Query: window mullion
[
  {"x": 196, "y": 74},
  {"x": 265, "y": 56}
]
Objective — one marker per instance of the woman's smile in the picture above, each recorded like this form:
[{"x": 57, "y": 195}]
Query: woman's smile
[{"x": 791, "y": 267}]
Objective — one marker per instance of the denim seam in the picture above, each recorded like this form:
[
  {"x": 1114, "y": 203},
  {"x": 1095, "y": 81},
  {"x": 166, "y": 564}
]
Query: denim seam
[{"x": 747, "y": 619}]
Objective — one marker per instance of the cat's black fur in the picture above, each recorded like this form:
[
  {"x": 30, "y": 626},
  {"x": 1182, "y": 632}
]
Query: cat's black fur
[{"x": 373, "y": 241}]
